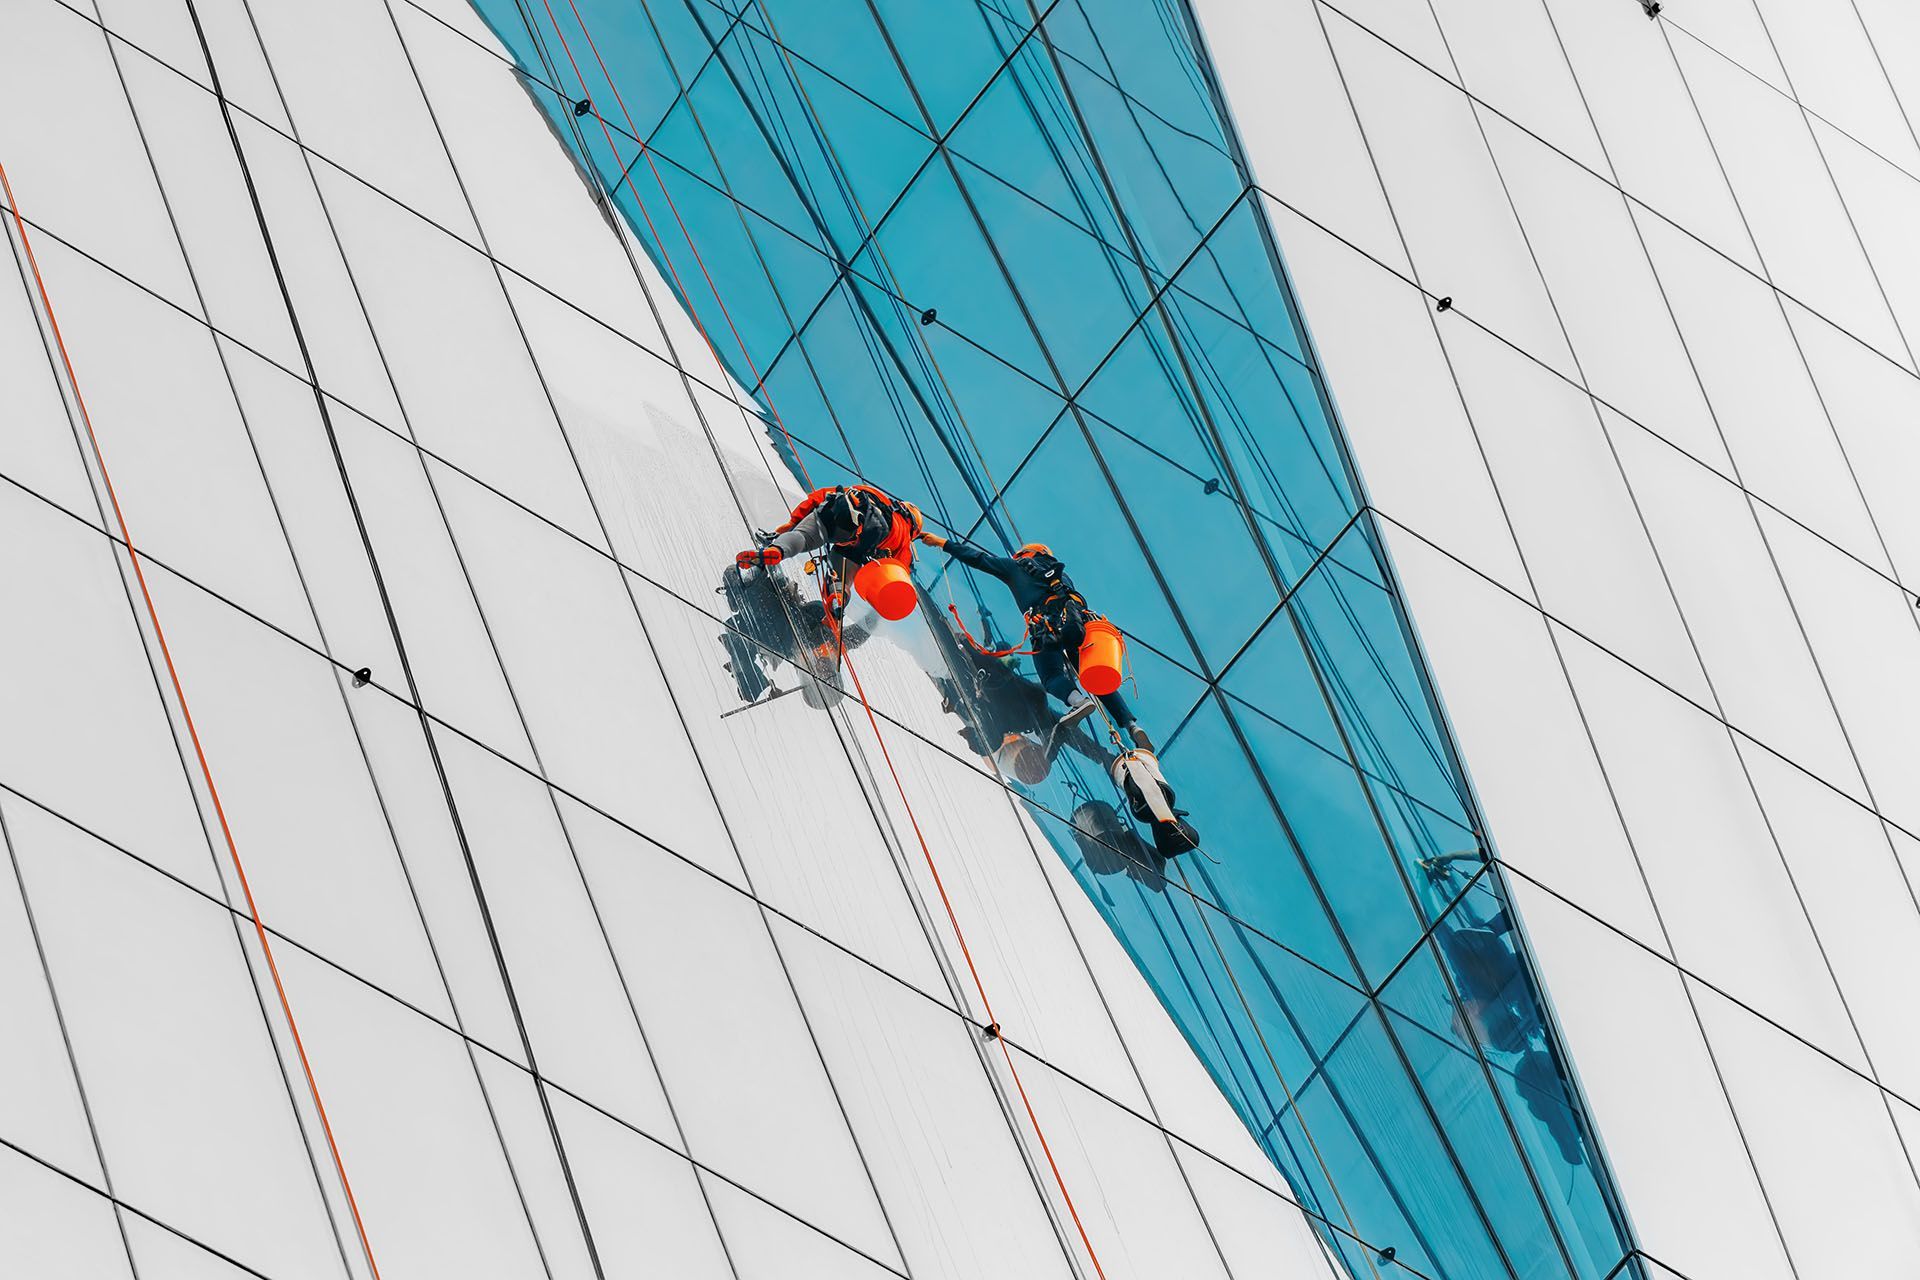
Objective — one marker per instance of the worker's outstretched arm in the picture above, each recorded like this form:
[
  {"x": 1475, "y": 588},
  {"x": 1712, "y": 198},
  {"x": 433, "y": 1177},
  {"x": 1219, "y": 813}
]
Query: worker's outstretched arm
[{"x": 974, "y": 557}]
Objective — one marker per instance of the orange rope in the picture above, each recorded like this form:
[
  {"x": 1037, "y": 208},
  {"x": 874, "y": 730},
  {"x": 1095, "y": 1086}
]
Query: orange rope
[
  {"x": 186, "y": 715},
  {"x": 960, "y": 622},
  {"x": 953, "y": 919}
]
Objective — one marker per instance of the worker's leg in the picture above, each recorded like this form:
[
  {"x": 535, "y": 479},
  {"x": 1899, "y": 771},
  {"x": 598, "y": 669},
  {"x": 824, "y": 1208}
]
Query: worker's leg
[
  {"x": 1117, "y": 708},
  {"x": 1051, "y": 666},
  {"x": 805, "y": 536}
]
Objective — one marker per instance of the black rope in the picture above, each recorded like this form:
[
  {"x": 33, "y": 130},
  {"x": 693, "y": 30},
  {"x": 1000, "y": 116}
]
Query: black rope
[{"x": 399, "y": 643}]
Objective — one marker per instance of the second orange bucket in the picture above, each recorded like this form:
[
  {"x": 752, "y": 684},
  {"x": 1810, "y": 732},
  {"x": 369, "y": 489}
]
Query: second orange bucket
[
  {"x": 888, "y": 587},
  {"x": 1101, "y": 654}
]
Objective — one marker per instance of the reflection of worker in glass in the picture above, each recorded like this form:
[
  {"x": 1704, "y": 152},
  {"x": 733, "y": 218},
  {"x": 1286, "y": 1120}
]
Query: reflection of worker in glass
[
  {"x": 1057, "y": 623},
  {"x": 1497, "y": 1009}
]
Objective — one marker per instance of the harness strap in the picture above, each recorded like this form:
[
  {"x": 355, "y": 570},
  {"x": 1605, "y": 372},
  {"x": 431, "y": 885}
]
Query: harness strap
[{"x": 982, "y": 649}]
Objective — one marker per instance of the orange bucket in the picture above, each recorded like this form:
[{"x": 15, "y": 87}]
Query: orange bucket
[
  {"x": 1101, "y": 654},
  {"x": 888, "y": 587}
]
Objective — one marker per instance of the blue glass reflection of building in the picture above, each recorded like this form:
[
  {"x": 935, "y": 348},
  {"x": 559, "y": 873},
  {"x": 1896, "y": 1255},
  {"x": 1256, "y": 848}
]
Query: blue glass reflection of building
[{"x": 1007, "y": 260}]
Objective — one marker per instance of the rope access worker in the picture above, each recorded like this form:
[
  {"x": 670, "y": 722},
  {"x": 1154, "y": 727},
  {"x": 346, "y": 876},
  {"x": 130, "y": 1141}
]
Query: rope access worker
[
  {"x": 1057, "y": 620},
  {"x": 858, "y": 525}
]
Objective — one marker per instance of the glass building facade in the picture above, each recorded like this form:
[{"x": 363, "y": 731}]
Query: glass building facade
[
  {"x": 407, "y": 870},
  {"x": 1009, "y": 263}
]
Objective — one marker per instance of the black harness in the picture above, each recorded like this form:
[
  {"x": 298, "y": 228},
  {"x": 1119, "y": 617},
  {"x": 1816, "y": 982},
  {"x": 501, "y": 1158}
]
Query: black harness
[
  {"x": 1059, "y": 620},
  {"x": 865, "y": 527}
]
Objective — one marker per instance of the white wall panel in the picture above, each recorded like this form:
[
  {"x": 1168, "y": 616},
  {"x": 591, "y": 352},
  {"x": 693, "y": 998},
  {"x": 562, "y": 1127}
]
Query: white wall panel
[{"x": 1647, "y": 841}]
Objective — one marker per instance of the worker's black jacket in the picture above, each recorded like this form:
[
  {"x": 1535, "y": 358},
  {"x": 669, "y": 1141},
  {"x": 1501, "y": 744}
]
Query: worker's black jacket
[{"x": 1056, "y": 613}]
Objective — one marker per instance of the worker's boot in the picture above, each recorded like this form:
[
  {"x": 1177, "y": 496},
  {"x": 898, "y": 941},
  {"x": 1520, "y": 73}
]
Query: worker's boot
[{"x": 1080, "y": 705}]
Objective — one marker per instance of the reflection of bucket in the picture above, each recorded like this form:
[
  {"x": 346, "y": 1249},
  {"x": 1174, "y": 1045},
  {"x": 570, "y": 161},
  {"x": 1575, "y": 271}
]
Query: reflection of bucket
[
  {"x": 1024, "y": 758},
  {"x": 888, "y": 587},
  {"x": 1100, "y": 656}
]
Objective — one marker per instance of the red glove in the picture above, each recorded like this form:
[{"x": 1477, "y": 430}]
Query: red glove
[{"x": 761, "y": 557}]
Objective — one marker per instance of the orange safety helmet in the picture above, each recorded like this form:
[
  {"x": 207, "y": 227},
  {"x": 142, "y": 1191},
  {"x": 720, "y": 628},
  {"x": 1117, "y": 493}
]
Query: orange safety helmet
[{"x": 1033, "y": 549}]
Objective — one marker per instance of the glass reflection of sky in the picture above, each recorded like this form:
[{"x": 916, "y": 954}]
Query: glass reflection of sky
[{"x": 1015, "y": 273}]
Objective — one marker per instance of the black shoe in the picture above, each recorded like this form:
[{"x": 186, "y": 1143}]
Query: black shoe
[{"x": 1141, "y": 741}]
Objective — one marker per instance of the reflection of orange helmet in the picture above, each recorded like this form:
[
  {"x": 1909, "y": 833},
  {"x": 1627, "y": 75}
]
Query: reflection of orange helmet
[{"x": 1033, "y": 549}]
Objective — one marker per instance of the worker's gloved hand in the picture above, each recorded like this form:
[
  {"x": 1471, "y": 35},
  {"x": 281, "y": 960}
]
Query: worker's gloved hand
[
  {"x": 932, "y": 539},
  {"x": 760, "y": 557}
]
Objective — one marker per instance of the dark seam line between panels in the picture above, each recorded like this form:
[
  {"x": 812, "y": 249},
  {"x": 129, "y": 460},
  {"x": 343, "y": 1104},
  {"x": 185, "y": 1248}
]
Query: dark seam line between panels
[
  {"x": 1826, "y": 167},
  {"x": 740, "y": 211},
  {"x": 1334, "y": 1091},
  {"x": 273, "y": 500},
  {"x": 1693, "y": 976},
  {"x": 400, "y": 406},
  {"x": 1306, "y": 960},
  {"x": 1791, "y": 96},
  {"x": 1752, "y": 239},
  {"x": 1334, "y": 714},
  {"x": 1014, "y": 808},
  {"x": 666, "y": 590},
  {"x": 1247, "y": 437},
  {"x": 135, "y": 1210},
  {"x": 471, "y": 1042},
  {"x": 1638, "y": 1254},
  {"x": 173, "y": 735},
  {"x": 1558, "y": 625},
  {"x": 843, "y": 734},
  {"x": 66, "y": 1040},
  {"x": 880, "y": 970},
  {"x": 650, "y": 581},
  {"x": 683, "y": 93},
  {"x": 1616, "y": 1268},
  {"x": 1806, "y": 118},
  {"x": 1486, "y": 870},
  {"x": 242, "y": 344},
  {"x": 1138, "y": 536},
  {"x": 399, "y": 643},
  {"x": 1673, "y": 595},
  {"x": 1040, "y": 862},
  {"x": 673, "y": 697},
  {"x": 1767, "y": 543},
  {"x": 1600, "y": 177},
  {"x": 566, "y": 832},
  {"x": 842, "y": 948},
  {"x": 629, "y": 339},
  {"x": 1533, "y": 589},
  {"x": 1195, "y": 40},
  {"x": 809, "y": 201},
  {"x": 1111, "y": 80},
  {"x": 1270, "y": 195},
  {"x": 1468, "y": 798},
  {"x": 1140, "y": 541},
  {"x": 1898, "y": 103},
  {"x": 1806, "y": 639},
  {"x": 1279, "y": 1076},
  {"x": 847, "y": 750}
]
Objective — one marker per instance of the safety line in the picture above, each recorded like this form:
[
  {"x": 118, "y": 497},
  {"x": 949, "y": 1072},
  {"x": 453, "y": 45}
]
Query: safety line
[
  {"x": 700, "y": 326},
  {"x": 1462, "y": 313},
  {"x": 773, "y": 411},
  {"x": 907, "y": 985},
  {"x": 1280, "y": 1076},
  {"x": 193, "y": 733}
]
